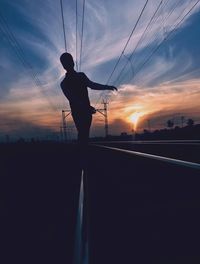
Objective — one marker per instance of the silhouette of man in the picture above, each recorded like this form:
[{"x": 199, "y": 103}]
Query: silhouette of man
[{"x": 74, "y": 87}]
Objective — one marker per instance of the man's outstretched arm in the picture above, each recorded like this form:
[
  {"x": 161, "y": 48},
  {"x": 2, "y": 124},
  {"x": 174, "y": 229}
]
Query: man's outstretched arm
[{"x": 98, "y": 86}]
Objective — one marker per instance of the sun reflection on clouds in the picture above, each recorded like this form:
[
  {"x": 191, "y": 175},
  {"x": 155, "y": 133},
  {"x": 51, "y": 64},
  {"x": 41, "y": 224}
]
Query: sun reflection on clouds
[
  {"x": 134, "y": 118},
  {"x": 141, "y": 104},
  {"x": 136, "y": 103}
]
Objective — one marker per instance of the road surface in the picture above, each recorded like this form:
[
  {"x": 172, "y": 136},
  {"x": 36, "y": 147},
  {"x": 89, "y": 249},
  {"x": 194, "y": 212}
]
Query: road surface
[{"x": 140, "y": 210}]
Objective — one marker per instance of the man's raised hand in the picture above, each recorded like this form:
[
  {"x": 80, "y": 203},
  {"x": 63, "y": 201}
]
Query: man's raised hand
[{"x": 112, "y": 88}]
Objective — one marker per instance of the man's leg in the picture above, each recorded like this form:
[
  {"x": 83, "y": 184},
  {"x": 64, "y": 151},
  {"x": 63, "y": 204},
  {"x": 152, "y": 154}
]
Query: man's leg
[
  {"x": 83, "y": 124},
  {"x": 84, "y": 131}
]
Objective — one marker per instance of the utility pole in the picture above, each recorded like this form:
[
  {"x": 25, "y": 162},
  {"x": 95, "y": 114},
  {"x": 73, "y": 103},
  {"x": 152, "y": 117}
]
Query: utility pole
[
  {"x": 104, "y": 112},
  {"x": 65, "y": 113},
  {"x": 64, "y": 124}
]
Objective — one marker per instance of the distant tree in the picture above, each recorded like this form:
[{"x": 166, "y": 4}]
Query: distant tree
[
  {"x": 124, "y": 134},
  {"x": 170, "y": 123},
  {"x": 190, "y": 122},
  {"x": 146, "y": 131},
  {"x": 21, "y": 140},
  {"x": 32, "y": 140}
]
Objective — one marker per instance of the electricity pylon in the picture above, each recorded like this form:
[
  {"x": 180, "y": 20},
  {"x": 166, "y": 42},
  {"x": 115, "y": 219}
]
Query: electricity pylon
[
  {"x": 65, "y": 114},
  {"x": 104, "y": 112}
]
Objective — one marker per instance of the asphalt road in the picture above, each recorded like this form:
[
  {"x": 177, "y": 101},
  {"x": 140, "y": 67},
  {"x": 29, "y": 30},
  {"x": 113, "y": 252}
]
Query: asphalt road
[
  {"x": 140, "y": 210},
  {"x": 143, "y": 210},
  {"x": 188, "y": 150},
  {"x": 39, "y": 197}
]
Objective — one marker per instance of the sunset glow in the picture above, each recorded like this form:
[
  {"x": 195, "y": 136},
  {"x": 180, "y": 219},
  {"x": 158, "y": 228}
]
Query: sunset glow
[
  {"x": 162, "y": 87},
  {"x": 134, "y": 118}
]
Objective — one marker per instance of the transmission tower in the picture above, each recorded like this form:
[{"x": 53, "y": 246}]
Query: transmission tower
[
  {"x": 65, "y": 114},
  {"x": 104, "y": 112}
]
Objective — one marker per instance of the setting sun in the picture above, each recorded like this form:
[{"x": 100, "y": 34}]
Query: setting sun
[{"x": 134, "y": 118}]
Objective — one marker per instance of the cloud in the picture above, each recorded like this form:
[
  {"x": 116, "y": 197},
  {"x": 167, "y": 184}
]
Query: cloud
[
  {"x": 153, "y": 103},
  {"x": 18, "y": 128},
  {"x": 38, "y": 28}
]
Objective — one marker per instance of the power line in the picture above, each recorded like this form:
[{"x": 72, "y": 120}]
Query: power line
[
  {"x": 150, "y": 41},
  {"x": 175, "y": 6},
  {"x": 165, "y": 39},
  {"x": 63, "y": 24},
  {"x": 170, "y": 32},
  {"x": 144, "y": 32},
  {"x": 122, "y": 53},
  {"x": 15, "y": 45},
  {"x": 127, "y": 41},
  {"x": 82, "y": 32}
]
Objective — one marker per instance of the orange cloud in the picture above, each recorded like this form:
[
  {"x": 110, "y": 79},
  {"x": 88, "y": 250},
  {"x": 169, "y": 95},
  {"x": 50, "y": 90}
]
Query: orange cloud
[{"x": 164, "y": 100}]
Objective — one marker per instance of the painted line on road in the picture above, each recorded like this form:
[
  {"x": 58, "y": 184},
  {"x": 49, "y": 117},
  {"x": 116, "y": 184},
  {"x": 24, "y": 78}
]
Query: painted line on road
[
  {"x": 155, "y": 157},
  {"x": 149, "y": 142}
]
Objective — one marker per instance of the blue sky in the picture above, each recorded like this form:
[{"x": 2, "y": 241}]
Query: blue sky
[{"x": 168, "y": 85}]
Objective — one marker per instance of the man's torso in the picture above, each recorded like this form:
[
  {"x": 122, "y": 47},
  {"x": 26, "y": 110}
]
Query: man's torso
[{"x": 74, "y": 86}]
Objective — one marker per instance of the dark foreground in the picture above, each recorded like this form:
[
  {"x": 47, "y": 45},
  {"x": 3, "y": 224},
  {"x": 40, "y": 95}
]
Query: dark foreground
[{"x": 140, "y": 210}]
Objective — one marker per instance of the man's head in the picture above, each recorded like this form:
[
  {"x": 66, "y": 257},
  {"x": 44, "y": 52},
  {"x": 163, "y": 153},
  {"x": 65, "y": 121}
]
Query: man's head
[{"x": 67, "y": 61}]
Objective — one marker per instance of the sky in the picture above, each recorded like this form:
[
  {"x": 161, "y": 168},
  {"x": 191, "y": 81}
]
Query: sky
[{"x": 154, "y": 84}]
